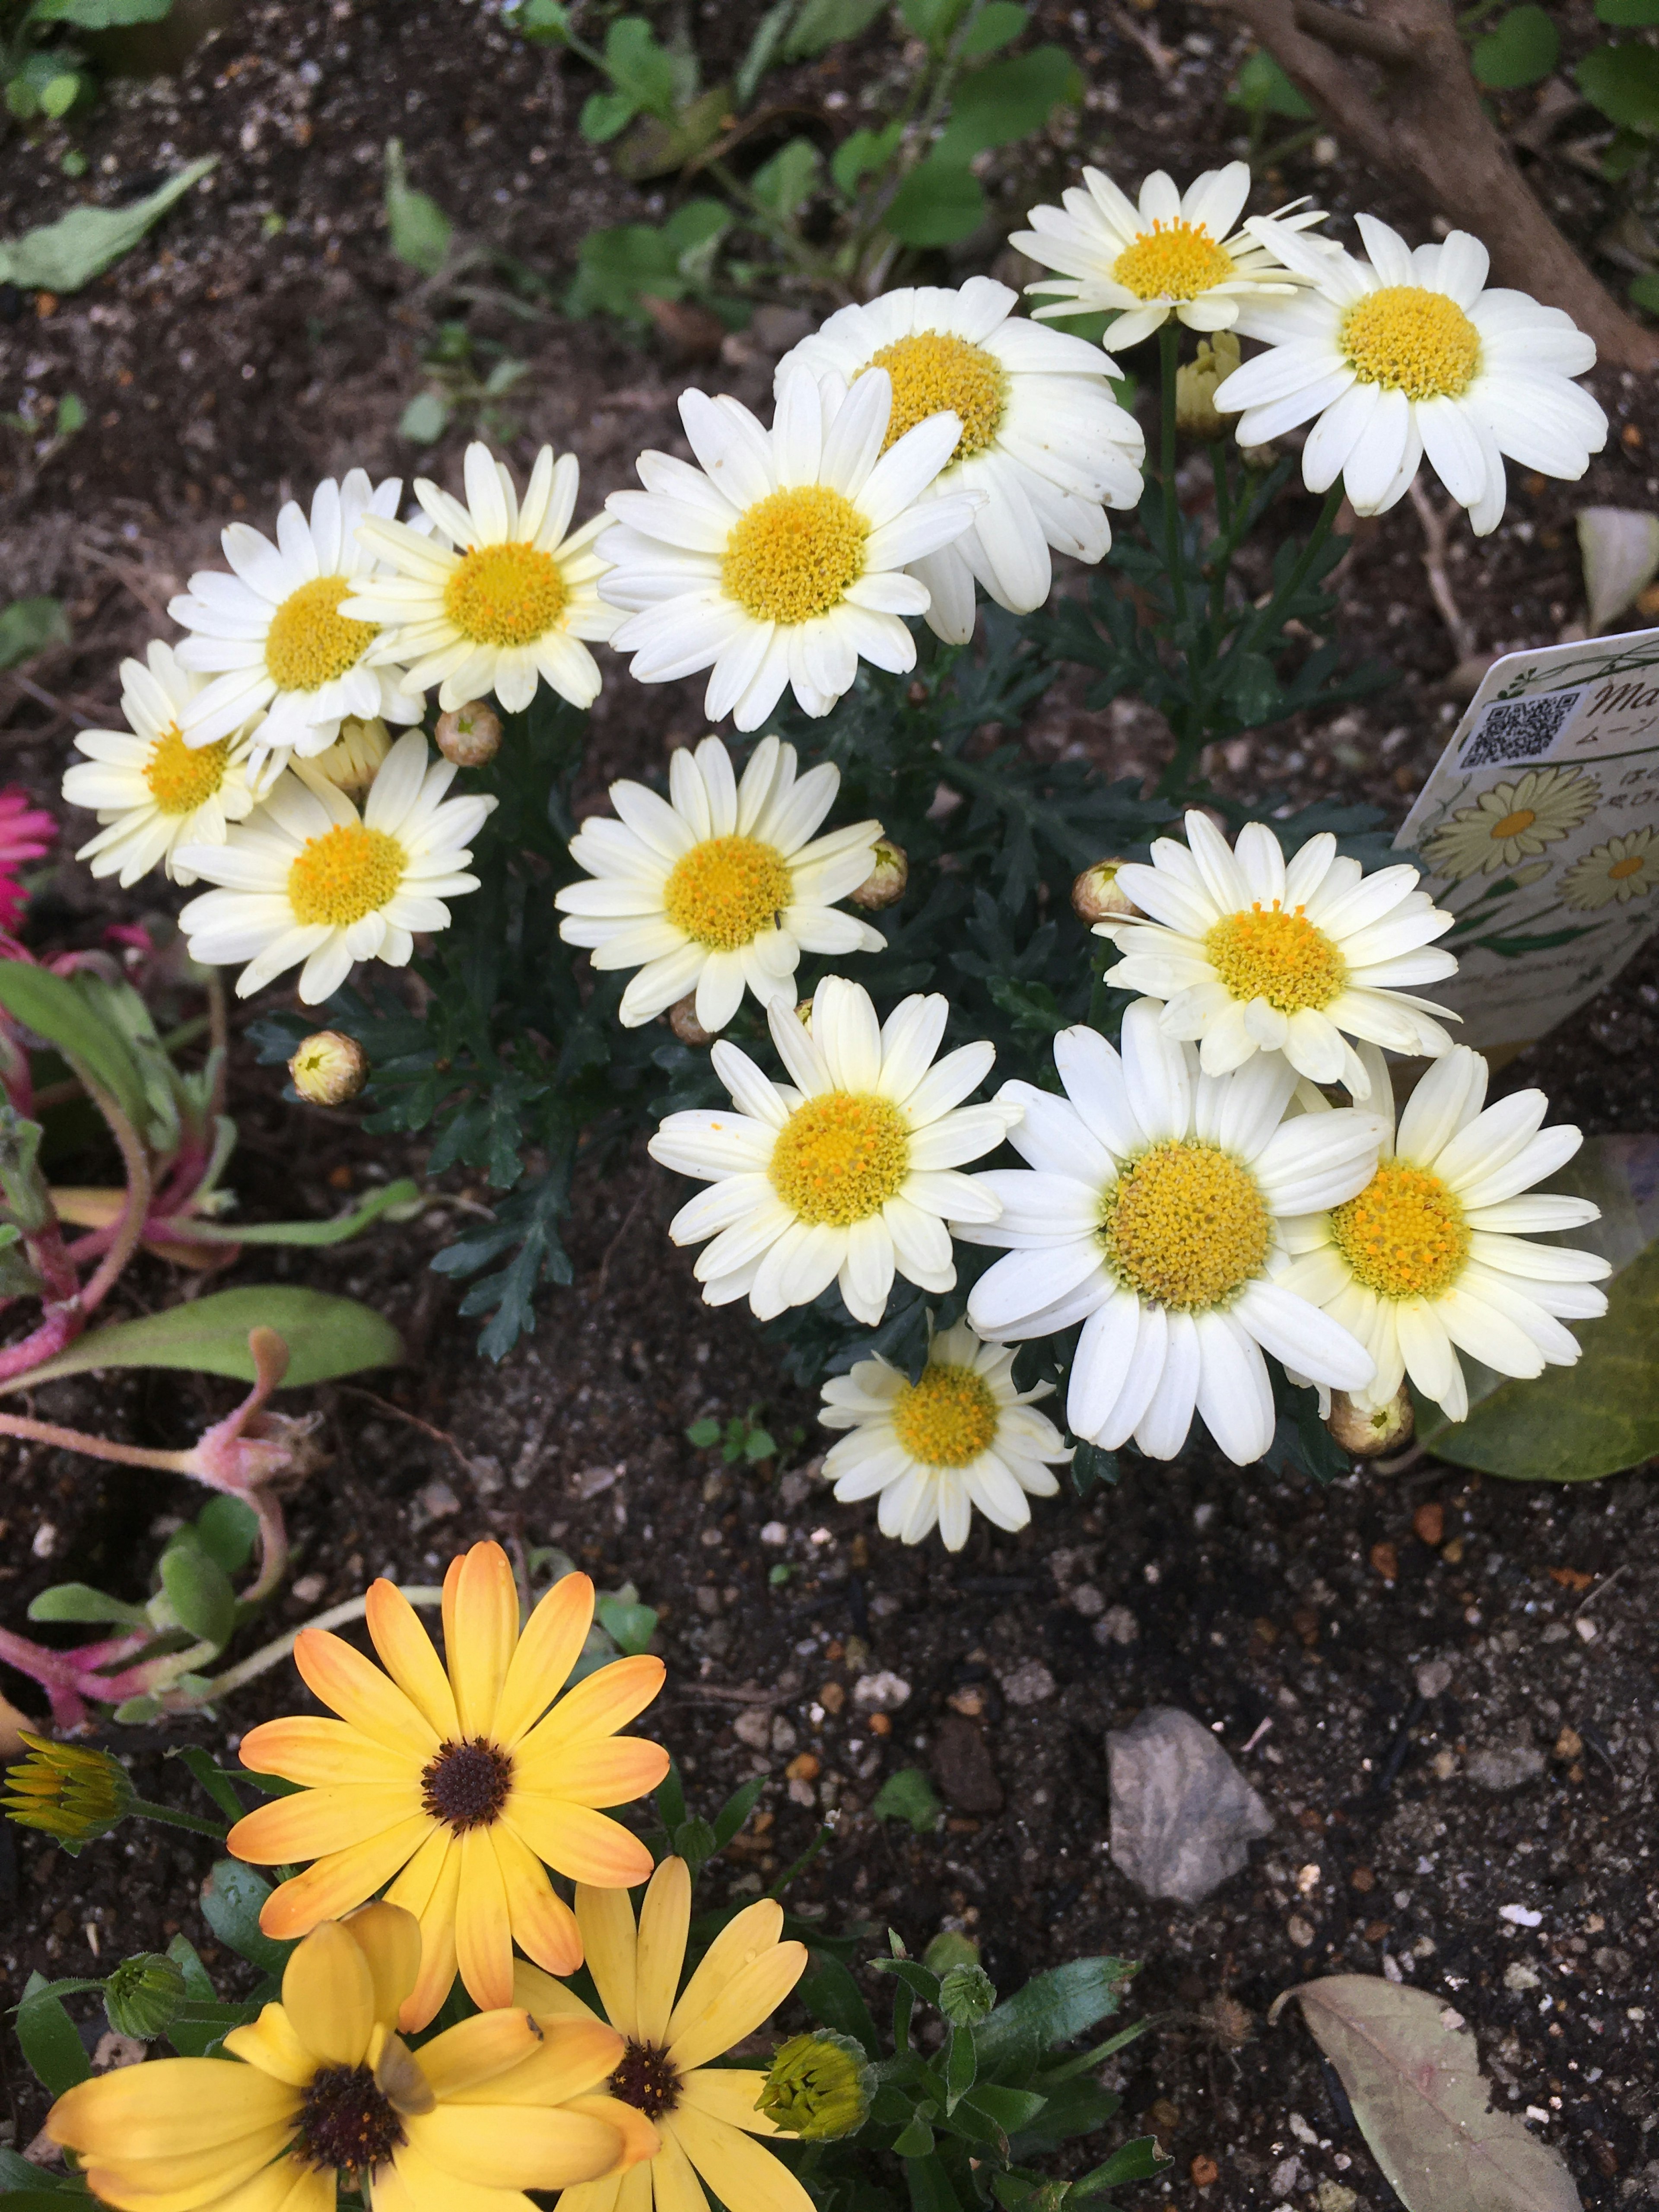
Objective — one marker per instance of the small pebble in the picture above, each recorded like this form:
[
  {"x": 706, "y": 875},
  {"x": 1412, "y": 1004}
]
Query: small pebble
[
  {"x": 1433, "y": 1678},
  {"x": 774, "y": 1532},
  {"x": 1030, "y": 1684},
  {"x": 1117, "y": 1625},
  {"x": 883, "y": 1693},
  {"x": 1520, "y": 1915}
]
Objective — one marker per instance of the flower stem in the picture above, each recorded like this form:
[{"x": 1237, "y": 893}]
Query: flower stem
[
  {"x": 272, "y": 1654},
  {"x": 1169, "y": 350},
  {"x": 142, "y": 1809}
]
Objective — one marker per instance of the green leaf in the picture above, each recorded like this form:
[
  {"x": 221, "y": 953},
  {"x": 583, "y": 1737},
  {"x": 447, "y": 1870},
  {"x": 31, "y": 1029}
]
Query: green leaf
[
  {"x": 425, "y": 419},
  {"x": 830, "y": 1993},
  {"x": 1262, "y": 87},
  {"x": 1139, "y": 2160},
  {"x": 735, "y": 1810},
  {"x": 99, "y": 14},
  {"x": 909, "y": 1796},
  {"x": 226, "y": 1529},
  {"x": 64, "y": 255},
  {"x": 642, "y": 70},
  {"x": 56, "y": 1010},
  {"x": 825, "y": 23},
  {"x": 326, "y": 1336},
  {"x": 996, "y": 26},
  {"x": 1011, "y": 2110},
  {"x": 703, "y": 1433},
  {"x": 606, "y": 116},
  {"x": 960, "y": 2066},
  {"x": 51, "y": 2041},
  {"x": 232, "y": 1898},
  {"x": 419, "y": 231},
  {"x": 631, "y": 1625},
  {"x": 1008, "y": 100},
  {"x": 80, "y": 1602},
  {"x": 1521, "y": 48},
  {"x": 786, "y": 182},
  {"x": 933, "y": 19},
  {"x": 70, "y": 418},
  {"x": 198, "y": 1983},
  {"x": 59, "y": 93},
  {"x": 28, "y": 627},
  {"x": 547, "y": 22},
  {"x": 199, "y": 1590},
  {"x": 1052, "y": 2008},
  {"x": 861, "y": 151},
  {"x": 1628, "y": 15},
  {"x": 339, "y": 1231},
  {"x": 939, "y": 202},
  {"x": 924, "y": 2175},
  {"x": 757, "y": 1444},
  {"x": 1623, "y": 81},
  {"x": 1644, "y": 290}
]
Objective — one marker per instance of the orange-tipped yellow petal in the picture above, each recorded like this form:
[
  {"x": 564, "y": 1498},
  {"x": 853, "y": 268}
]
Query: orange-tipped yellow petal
[
  {"x": 321, "y": 1753},
  {"x": 641, "y": 2141},
  {"x": 341, "y": 1880},
  {"x": 574, "y": 1841},
  {"x": 389, "y": 1937},
  {"x": 665, "y": 1919},
  {"x": 314, "y": 1822},
  {"x": 328, "y": 1993},
  {"x": 516, "y": 2146},
  {"x": 351, "y": 1686},
  {"x": 610, "y": 1950},
  {"x": 747, "y": 1936},
  {"x": 270, "y": 2044},
  {"x": 471, "y": 2054},
  {"x": 673, "y": 2184},
  {"x": 481, "y": 1627},
  {"x": 731, "y": 2093},
  {"x": 607, "y": 1701},
  {"x": 398, "y": 1634},
  {"x": 484, "y": 1928},
  {"x": 176, "y": 2183},
  {"x": 540, "y": 1993},
  {"x": 701, "y": 2030},
  {"x": 427, "y": 1887},
  {"x": 551, "y": 1643},
  {"x": 735, "y": 2167},
  {"x": 170, "y": 2108},
  {"x": 613, "y": 1770},
  {"x": 575, "y": 2058},
  {"x": 543, "y": 1924}
]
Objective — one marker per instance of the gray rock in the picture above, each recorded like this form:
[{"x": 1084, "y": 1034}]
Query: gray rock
[
  {"x": 1501, "y": 1767},
  {"x": 1030, "y": 1684},
  {"x": 1433, "y": 1676},
  {"x": 1182, "y": 1814}
]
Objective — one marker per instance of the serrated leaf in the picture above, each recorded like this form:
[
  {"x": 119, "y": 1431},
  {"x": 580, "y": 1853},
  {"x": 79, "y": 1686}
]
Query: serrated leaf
[
  {"x": 419, "y": 231},
  {"x": 1413, "y": 2078},
  {"x": 199, "y": 1592},
  {"x": 233, "y": 1897},
  {"x": 1521, "y": 48},
  {"x": 63, "y": 256},
  {"x": 326, "y": 1336}
]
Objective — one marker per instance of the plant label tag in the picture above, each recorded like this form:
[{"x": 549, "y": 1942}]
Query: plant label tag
[{"x": 1539, "y": 828}]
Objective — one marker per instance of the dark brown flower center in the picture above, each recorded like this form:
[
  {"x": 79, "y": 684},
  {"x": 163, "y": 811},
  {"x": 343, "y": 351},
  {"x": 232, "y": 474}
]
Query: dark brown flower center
[
  {"x": 646, "y": 2079},
  {"x": 345, "y": 2121},
  {"x": 466, "y": 1784}
]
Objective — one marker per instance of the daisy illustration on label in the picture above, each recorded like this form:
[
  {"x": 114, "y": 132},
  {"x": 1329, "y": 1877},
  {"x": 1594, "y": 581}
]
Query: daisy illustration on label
[{"x": 1512, "y": 821}]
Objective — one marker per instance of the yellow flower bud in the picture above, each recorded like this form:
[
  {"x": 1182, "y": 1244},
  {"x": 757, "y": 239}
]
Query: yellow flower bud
[
  {"x": 470, "y": 736},
  {"x": 884, "y": 885},
  {"x": 329, "y": 1069},
  {"x": 1096, "y": 896},
  {"x": 819, "y": 2087},
  {"x": 353, "y": 761},
  {"x": 1195, "y": 387},
  {"x": 68, "y": 1791},
  {"x": 1365, "y": 1430},
  {"x": 683, "y": 1020}
]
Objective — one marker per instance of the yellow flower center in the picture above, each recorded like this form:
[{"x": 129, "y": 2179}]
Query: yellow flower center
[
  {"x": 948, "y": 1419},
  {"x": 1404, "y": 1237},
  {"x": 182, "y": 779},
  {"x": 344, "y": 874},
  {"x": 1266, "y": 953},
  {"x": 793, "y": 554},
  {"x": 724, "y": 891},
  {"x": 309, "y": 643},
  {"x": 1411, "y": 340},
  {"x": 1632, "y": 865},
  {"x": 1186, "y": 1225},
  {"x": 507, "y": 594},
  {"x": 840, "y": 1156},
  {"x": 1173, "y": 261},
  {"x": 932, "y": 371},
  {"x": 1513, "y": 824}
]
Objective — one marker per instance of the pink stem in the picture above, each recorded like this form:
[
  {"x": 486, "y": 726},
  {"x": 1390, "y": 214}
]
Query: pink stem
[
  {"x": 48, "y": 1432},
  {"x": 131, "y": 1227}
]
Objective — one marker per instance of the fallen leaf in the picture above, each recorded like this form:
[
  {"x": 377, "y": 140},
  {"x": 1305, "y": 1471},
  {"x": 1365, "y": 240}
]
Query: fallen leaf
[
  {"x": 1409, "y": 2067},
  {"x": 1572, "y": 1578},
  {"x": 1620, "y": 548},
  {"x": 63, "y": 256}
]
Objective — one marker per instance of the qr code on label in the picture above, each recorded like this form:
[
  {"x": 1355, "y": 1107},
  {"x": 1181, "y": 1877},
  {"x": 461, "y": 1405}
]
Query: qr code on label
[{"x": 1520, "y": 729}]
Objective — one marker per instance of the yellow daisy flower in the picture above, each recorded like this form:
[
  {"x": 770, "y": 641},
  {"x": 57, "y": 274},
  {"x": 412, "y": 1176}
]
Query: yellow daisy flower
[
  {"x": 1623, "y": 868},
  {"x": 705, "y": 2117},
  {"x": 325, "y": 2086},
  {"x": 454, "y": 1783},
  {"x": 1512, "y": 821}
]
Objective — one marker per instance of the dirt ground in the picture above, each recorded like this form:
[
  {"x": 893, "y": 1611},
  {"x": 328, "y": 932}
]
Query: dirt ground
[{"x": 1444, "y": 1718}]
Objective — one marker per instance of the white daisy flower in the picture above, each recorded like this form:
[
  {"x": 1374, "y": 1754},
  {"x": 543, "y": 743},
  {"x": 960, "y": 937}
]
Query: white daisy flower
[
  {"x": 1408, "y": 354},
  {"x": 1434, "y": 1256},
  {"x": 308, "y": 878},
  {"x": 1172, "y": 255},
  {"x": 506, "y": 598},
  {"x": 781, "y": 559},
  {"x": 151, "y": 792},
  {"x": 845, "y": 1176},
  {"x": 1254, "y": 954},
  {"x": 1042, "y": 437},
  {"x": 1152, "y": 1212},
  {"x": 273, "y": 637},
  {"x": 716, "y": 888},
  {"x": 960, "y": 1437}
]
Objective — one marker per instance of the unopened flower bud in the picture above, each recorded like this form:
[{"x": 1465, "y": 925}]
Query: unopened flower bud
[
  {"x": 143, "y": 1994},
  {"x": 353, "y": 761},
  {"x": 967, "y": 1995},
  {"x": 683, "y": 1020},
  {"x": 1096, "y": 896},
  {"x": 1196, "y": 416},
  {"x": 884, "y": 885},
  {"x": 819, "y": 2087},
  {"x": 68, "y": 1791},
  {"x": 470, "y": 736},
  {"x": 1365, "y": 1430},
  {"x": 329, "y": 1069}
]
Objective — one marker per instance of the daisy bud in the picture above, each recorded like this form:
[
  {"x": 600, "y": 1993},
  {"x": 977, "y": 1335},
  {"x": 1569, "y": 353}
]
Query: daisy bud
[
  {"x": 143, "y": 1994},
  {"x": 470, "y": 736},
  {"x": 72, "y": 1793},
  {"x": 819, "y": 2087},
  {"x": 683, "y": 1020},
  {"x": 967, "y": 1995},
  {"x": 1195, "y": 387},
  {"x": 329, "y": 1069},
  {"x": 353, "y": 761},
  {"x": 1365, "y": 1430},
  {"x": 884, "y": 885},
  {"x": 1096, "y": 896}
]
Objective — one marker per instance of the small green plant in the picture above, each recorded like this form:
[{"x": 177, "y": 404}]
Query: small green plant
[
  {"x": 909, "y": 1796},
  {"x": 742, "y": 1437}
]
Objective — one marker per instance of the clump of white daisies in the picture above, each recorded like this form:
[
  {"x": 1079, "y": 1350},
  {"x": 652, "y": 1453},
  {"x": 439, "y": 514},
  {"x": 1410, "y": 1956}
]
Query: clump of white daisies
[{"x": 1191, "y": 1201}]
